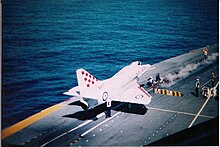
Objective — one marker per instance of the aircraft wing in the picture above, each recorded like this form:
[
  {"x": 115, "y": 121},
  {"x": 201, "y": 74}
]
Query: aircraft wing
[{"x": 134, "y": 94}]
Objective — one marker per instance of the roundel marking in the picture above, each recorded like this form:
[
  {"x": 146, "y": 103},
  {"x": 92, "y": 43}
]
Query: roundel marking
[
  {"x": 89, "y": 80},
  {"x": 92, "y": 82},
  {"x": 139, "y": 96},
  {"x": 85, "y": 79},
  {"x": 90, "y": 76},
  {"x": 87, "y": 85},
  {"x": 86, "y": 74},
  {"x": 82, "y": 72},
  {"x": 104, "y": 96}
]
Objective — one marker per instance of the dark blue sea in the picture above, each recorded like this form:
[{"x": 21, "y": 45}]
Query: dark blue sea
[{"x": 45, "y": 41}]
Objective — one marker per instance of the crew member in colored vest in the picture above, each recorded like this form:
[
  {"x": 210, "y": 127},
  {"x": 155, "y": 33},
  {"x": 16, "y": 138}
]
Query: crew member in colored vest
[
  {"x": 205, "y": 52},
  {"x": 197, "y": 87}
]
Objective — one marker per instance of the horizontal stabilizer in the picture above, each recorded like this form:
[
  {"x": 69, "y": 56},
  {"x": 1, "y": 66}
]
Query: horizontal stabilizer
[
  {"x": 72, "y": 91},
  {"x": 71, "y": 94}
]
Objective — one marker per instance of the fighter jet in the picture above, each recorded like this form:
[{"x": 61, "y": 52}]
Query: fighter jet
[{"x": 122, "y": 87}]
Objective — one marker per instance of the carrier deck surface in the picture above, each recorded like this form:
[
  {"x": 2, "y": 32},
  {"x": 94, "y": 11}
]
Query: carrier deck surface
[{"x": 67, "y": 124}]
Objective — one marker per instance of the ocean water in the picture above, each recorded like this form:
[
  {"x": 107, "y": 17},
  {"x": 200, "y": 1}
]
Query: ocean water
[{"x": 45, "y": 41}]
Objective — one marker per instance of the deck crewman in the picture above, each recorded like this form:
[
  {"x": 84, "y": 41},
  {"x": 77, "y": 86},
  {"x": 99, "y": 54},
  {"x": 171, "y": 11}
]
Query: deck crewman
[
  {"x": 213, "y": 79},
  {"x": 197, "y": 87},
  {"x": 150, "y": 81},
  {"x": 159, "y": 78},
  {"x": 205, "y": 53}
]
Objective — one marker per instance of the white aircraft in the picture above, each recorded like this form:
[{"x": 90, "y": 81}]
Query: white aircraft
[{"x": 122, "y": 87}]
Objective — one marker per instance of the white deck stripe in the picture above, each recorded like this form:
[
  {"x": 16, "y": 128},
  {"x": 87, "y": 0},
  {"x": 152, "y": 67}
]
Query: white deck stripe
[
  {"x": 200, "y": 108},
  {"x": 199, "y": 112},
  {"x": 179, "y": 112},
  {"x": 79, "y": 126},
  {"x": 88, "y": 131}
]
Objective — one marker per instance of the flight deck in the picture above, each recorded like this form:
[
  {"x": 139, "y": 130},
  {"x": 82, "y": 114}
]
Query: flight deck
[{"x": 67, "y": 124}]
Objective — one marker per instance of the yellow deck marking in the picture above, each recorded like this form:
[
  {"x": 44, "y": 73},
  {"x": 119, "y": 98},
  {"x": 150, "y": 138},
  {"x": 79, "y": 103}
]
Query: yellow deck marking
[
  {"x": 171, "y": 93},
  {"x": 159, "y": 91},
  {"x": 167, "y": 92},
  {"x": 163, "y": 91},
  {"x": 174, "y": 93},
  {"x": 179, "y": 94},
  {"x": 21, "y": 125}
]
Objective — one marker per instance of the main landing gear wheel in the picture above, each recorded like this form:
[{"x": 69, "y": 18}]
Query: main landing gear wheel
[
  {"x": 107, "y": 99},
  {"x": 105, "y": 96},
  {"x": 108, "y": 104}
]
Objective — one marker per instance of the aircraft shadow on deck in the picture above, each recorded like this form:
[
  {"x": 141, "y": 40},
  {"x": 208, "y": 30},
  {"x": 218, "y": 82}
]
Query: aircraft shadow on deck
[
  {"x": 92, "y": 113},
  {"x": 133, "y": 108}
]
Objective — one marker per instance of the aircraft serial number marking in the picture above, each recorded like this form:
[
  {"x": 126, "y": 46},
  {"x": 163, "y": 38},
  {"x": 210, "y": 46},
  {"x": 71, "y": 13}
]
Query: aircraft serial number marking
[{"x": 101, "y": 86}]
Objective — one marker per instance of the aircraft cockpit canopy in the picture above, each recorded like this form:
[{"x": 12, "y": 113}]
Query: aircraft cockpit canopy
[{"x": 136, "y": 63}]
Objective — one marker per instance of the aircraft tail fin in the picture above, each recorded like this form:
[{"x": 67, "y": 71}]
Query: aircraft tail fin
[{"x": 85, "y": 79}]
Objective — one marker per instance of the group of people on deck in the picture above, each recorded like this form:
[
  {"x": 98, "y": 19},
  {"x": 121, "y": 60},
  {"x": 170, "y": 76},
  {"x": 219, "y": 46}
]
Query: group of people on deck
[{"x": 206, "y": 91}]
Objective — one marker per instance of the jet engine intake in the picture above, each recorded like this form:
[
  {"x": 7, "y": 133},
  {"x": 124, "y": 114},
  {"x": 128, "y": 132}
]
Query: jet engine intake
[{"x": 88, "y": 103}]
